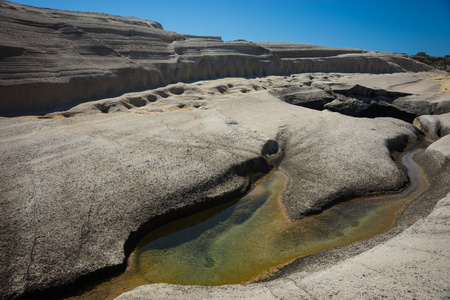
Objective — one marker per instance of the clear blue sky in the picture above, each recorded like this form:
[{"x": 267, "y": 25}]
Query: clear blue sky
[{"x": 378, "y": 25}]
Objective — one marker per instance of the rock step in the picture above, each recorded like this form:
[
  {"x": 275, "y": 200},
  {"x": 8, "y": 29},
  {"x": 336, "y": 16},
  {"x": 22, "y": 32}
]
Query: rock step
[{"x": 53, "y": 57}]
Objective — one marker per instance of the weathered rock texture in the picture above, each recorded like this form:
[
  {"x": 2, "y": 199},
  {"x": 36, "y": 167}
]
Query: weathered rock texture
[
  {"x": 413, "y": 265},
  {"x": 51, "y": 57},
  {"x": 72, "y": 192},
  {"x": 80, "y": 185},
  {"x": 434, "y": 126},
  {"x": 354, "y": 99},
  {"x": 72, "y": 186}
]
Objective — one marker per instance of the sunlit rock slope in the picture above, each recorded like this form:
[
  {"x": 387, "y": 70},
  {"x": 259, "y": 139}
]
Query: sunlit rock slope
[
  {"x": 81, "y": 183},
  {"x": 51, "y": 57}
]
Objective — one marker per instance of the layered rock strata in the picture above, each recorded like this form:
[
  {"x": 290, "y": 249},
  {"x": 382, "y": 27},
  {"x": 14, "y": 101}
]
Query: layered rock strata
[
  {"x": 81, "y": 184},
  {"x": 51, "y": 57}
]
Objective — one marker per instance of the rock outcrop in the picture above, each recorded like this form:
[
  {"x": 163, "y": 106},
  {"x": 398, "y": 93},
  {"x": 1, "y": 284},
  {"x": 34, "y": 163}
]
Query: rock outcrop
[
  {"x": 356, "y": 101},
  {"x": 82, "y": 183},
  {"x": 101, "y": 180},
  {"x": 434, "y": 126},
  {"x": 75, "y": 194},
  {"x": 50, "y": 57},
  {"x": 353, "y": 99}
]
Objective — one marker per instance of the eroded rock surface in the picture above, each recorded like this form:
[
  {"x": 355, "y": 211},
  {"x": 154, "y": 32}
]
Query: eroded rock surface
[
  {"x": 434, "y": 126},
  {"x": 413, "y": 265},
  {"x": 74, "y": 189},
  {"x": 67, "y": 57},
  {"x": 81, "y": 183},
  {"x": 361, "y": 101}
]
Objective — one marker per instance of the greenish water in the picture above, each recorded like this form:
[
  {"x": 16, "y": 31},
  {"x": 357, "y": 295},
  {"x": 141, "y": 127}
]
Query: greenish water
[
  {"x": 238, "y": 243},
  {"x": 250, "y": 239}
]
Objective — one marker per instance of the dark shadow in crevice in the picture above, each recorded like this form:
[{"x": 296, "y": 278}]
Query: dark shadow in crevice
[
  {"x": 372, "y": 110},
  {"x": 356, "y": 101}
]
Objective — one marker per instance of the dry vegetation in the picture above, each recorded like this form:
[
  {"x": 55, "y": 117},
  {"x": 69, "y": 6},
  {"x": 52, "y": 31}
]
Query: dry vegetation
[{"x": 441, "y": 63}]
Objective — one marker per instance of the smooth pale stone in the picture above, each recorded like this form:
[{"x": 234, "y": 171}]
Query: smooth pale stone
[{"x": 54, "y": 57}]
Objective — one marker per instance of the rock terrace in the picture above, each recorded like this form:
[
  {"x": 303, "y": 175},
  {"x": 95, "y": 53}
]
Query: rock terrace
[{"x": 112, "y": 126}]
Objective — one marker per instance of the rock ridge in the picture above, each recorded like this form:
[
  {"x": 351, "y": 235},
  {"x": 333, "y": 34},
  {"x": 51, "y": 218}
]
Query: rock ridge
[
  {"x": 53, "y": 57},
  {"x": 80, "y": 185}
]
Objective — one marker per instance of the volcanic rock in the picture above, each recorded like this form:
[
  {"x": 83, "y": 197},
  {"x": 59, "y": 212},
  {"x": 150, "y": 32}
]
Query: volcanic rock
[
  {"x": 434, "y": 126},
  {"x": 83, "y": 182},
  {"x": 68, "y": 57}
]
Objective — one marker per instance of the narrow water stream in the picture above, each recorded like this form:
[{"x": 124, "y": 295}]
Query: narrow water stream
[{"x": 251, "y": 238}]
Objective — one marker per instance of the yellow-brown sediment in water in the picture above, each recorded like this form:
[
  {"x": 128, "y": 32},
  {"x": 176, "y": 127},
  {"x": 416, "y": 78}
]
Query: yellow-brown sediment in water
[{"x": 250, "y": 239}]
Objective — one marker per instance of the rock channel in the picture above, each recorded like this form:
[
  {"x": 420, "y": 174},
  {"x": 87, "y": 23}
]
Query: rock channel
[{"x": 83, "y": 182}]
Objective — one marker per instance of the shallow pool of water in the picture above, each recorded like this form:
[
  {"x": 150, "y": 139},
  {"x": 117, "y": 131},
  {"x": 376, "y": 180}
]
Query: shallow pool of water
[
  {"x": 250, "y": 239},
  {"x": 240, "y": 242}
]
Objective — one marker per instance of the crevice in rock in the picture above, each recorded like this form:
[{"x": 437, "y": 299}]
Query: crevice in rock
[
  {"x": 270, "y": 147},
  {"x": 303, "y": 289},
  {"x": 355, "y": 101},
  {"x": 373, "y": 109},
  {"x": 270, "y": 291},
  {"x": 30, "y": 262},
  {"x": 397, "y": 144},
  {"x": 362, "y": 92},
  {"x": 252, "y": 170}
]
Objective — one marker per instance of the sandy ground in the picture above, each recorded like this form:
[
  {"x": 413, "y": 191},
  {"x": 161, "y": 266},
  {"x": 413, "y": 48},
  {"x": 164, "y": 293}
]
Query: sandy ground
[{"x": 443, "y": 79}]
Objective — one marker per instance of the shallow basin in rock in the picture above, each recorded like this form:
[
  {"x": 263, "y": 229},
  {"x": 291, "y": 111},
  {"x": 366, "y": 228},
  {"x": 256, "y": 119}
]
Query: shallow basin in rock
[{"x": 251, "y": 238}]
